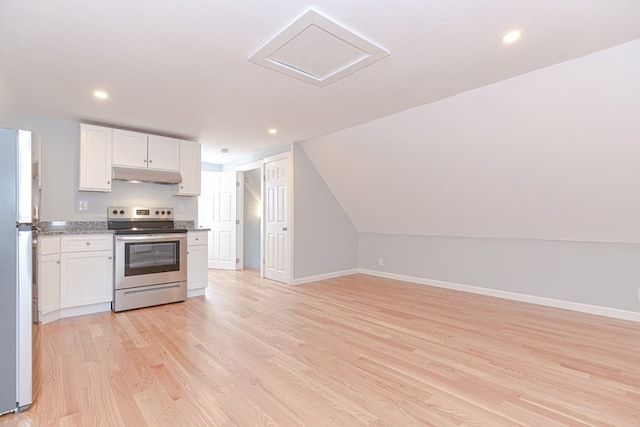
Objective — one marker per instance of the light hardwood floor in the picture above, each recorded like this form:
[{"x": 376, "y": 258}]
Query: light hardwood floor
[{"x": 351, "y": 351}]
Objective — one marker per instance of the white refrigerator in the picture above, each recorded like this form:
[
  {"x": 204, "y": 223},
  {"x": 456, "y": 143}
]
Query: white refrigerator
[{"x": 19, "y": 326}]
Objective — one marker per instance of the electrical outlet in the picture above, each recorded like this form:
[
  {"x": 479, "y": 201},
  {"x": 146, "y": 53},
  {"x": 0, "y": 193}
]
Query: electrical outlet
[
  {"x": 83, "y": 205},
  {"x": 380, "y": 261}
]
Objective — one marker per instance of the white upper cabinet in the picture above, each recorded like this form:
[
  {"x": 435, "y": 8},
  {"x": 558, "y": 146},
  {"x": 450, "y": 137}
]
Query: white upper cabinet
[
  {"x": 189, "y": 169},
  {"x": 95, "y": 158},
  {"x": 36, "y": 160},
  {"x": 129, "y": 148},
  {"x": 164, "y": 153},
  {"x": 102, "y": 149},
  {"x": 139, "y": 150}
]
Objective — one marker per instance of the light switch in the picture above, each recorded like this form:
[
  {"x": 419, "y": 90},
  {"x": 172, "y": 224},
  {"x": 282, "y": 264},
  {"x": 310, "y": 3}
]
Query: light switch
[{"x": 83, "y": 205}]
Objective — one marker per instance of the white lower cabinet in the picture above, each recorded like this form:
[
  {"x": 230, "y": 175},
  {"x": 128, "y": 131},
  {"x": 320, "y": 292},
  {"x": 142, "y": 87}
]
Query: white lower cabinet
[
  {"x": 75, "y": 273},
  {"x": 48, "y": 275},
  {"x": 86, "y": 270},
  {"x": 197, "y": 259}
]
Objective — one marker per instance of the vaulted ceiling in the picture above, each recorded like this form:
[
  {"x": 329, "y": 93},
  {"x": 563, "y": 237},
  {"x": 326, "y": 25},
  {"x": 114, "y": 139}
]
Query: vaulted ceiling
[{"x": 181, "y": 67}]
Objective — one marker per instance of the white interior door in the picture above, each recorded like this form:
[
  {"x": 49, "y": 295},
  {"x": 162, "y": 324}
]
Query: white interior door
[
  {"x": 217, "y": 212},
  {"x": 276, "y": 242},
  {"x": 223, "y": 228}
]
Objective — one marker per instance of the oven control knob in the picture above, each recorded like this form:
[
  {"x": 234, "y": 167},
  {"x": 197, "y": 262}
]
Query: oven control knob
[
  {"x": 157, "y": 212},
  {"x": 168, "y": 212},
  {"x": 163, "y": 212},
  {"x": 115, "y": 212},
  {"x": 122, "y": 212}
]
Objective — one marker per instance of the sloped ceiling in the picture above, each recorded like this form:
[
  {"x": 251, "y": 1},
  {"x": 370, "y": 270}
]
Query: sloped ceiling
[
  {"x": 552, "y": 154},
  {"x": 180, "y": 68}
]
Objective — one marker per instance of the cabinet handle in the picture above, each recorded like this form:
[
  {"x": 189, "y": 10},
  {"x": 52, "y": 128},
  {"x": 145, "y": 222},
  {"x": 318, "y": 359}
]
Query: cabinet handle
[
  {"x": 144, "y": 160},
  {"x": 187, "y": 252},
  {"x": 150, "y": 161},
  {"x": 108, "y": 182},
  {"x": 88, "y": 243},
  {"x": 57, "y": 262},
  {"x": 109, "y": 257},
  {"x": 197, "y": 239}
]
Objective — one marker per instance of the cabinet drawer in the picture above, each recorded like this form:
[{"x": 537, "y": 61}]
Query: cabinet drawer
[
  {"x": 48, "y": 245},
  {"x": 196, "y": 238},
  {"x": 87, "y": 242}
]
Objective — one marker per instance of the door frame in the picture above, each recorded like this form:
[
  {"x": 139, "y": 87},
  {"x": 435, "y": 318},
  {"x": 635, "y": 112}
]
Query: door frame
[{"x": 287, "y": 155}]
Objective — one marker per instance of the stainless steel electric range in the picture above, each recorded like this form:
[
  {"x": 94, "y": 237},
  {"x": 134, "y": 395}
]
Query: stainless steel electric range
[{"x": 150, "y": 257}]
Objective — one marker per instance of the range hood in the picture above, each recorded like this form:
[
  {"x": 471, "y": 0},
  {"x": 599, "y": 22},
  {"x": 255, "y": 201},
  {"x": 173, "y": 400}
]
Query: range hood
[{"x": 146, "y": 175}]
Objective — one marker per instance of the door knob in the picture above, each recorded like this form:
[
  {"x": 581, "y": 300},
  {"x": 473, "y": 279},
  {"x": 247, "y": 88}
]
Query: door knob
[{"x": 284, "y": 228}]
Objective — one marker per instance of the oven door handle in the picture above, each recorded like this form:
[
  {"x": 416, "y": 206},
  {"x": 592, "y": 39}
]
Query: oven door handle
[{"x": 151, "y": 237}]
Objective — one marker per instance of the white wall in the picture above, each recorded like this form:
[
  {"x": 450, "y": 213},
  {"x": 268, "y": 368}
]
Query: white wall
[
  {"x": 60, "y": 195},
  {"x": 325, "y": 240},
  {"x": 596, "y": 274},
  {"x": 527, "y": 186}
]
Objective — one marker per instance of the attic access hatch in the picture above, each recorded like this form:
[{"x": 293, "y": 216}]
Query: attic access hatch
[{"x": 316, "y": 50}]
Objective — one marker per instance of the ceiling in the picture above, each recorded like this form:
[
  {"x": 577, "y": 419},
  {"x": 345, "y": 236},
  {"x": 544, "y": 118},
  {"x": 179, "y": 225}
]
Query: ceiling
[{"x": 181, "y": 68}]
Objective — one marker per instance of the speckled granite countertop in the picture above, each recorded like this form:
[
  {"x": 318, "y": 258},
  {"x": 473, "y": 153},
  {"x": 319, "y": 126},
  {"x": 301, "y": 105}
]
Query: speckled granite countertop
[{"x": 59, "y": 228}]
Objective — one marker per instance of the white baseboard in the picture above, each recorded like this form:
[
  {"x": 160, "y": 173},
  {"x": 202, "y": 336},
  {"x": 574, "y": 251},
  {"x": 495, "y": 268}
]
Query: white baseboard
[
  {"x": 549, "y": 302},
  {"x": 195, "y": 292},
  {"x": 49, "y": 317},
  {"x": 333, "y": 275},
  {"x": 63, "y": 313}
]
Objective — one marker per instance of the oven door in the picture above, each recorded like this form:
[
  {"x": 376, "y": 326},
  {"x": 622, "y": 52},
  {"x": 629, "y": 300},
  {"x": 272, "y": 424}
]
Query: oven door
[{"x": 150, "y": 259}]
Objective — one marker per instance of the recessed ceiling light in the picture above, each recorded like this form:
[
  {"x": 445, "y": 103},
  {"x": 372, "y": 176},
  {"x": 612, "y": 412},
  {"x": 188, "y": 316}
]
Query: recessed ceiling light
[
  {"x": 100, "y": 94},
  {"x": 512, "y": 36},
  {"x": 272, "y": 131}
]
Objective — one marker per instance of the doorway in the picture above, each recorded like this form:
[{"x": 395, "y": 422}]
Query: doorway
[
  {"x": 252, "y": 217},
  {"x": 249, "y": 214}
]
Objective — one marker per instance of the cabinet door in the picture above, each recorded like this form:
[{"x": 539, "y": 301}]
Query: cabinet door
[
  {"x": 86, "y": 278},
  {"x": 129, "y": 148},
  {"x": 49, "y": 283},
  {"x": 189, "y": 169},
  {"x": 95, "y": 158},
  {"x": 197, "y": 267},
  {"x": 164, "y": 153},
  {"x": 36, "y": 161}
]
